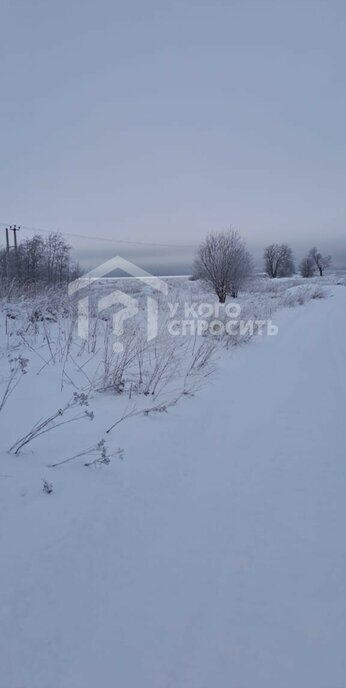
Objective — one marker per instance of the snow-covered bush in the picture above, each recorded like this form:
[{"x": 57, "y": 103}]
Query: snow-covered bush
[
  {"x": 318, "y": 293},
  {"x": 300, "y": 295}
]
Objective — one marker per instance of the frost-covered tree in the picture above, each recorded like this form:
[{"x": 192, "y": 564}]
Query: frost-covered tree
[
  {"x": 307, "y": 267},
  {"x": 287, "y": 266},
  {"x": 320, "y": 261},
  {"x": 39, "y": 260},
  {"x": 279, "y": 260},
  {"x": 224, "y": 263}
]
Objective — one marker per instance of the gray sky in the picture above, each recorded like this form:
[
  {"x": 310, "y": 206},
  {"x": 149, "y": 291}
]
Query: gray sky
[{"x": 160, "y": 121}]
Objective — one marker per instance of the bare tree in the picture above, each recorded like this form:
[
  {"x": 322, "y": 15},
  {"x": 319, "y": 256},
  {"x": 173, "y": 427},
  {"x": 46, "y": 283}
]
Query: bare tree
[
  {"x": 224, "y": 263},
  {"x": 320, "y": 261},
  {"x": 272, "y": 259},
  {"x": 241, "y": 264},
  {"x": 287, "y": 266},
  {"x": 31, "y": 259},
  {"x": 307, "y": 267},
  {"x": 57, "y": 258},
  {"x": 39, "y": 261},
  {"x": 279, "y": 260}
]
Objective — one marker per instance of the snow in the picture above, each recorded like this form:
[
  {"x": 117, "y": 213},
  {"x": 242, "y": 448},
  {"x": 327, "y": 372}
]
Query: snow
[{"x": 213, "y": 555}]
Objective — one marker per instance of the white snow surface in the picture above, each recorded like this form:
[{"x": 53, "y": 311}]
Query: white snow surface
[{"x": 213, "y": 555}]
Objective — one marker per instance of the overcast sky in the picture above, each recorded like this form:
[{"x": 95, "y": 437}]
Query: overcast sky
[{"x": 160, "y": 120}]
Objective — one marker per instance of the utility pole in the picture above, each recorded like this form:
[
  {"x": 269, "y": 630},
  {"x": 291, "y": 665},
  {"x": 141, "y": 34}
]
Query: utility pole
[
  {"x": 15, "y": 229},
  {"x": 7, "y": 254}
]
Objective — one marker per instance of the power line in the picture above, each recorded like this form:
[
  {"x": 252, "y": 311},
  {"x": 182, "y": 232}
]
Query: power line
[{"x": 102, "y": 239}]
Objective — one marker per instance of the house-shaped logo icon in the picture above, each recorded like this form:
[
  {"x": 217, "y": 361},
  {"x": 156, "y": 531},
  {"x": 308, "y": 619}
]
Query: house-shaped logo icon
[{"x": 130, "y": 304}]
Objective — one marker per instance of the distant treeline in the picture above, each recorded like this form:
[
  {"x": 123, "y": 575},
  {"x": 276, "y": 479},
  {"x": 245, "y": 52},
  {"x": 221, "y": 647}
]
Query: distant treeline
[{"x": 39, "y": 261}]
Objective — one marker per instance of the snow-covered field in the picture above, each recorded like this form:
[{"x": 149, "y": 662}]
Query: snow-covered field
[{"x": 205, "y": 545}]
